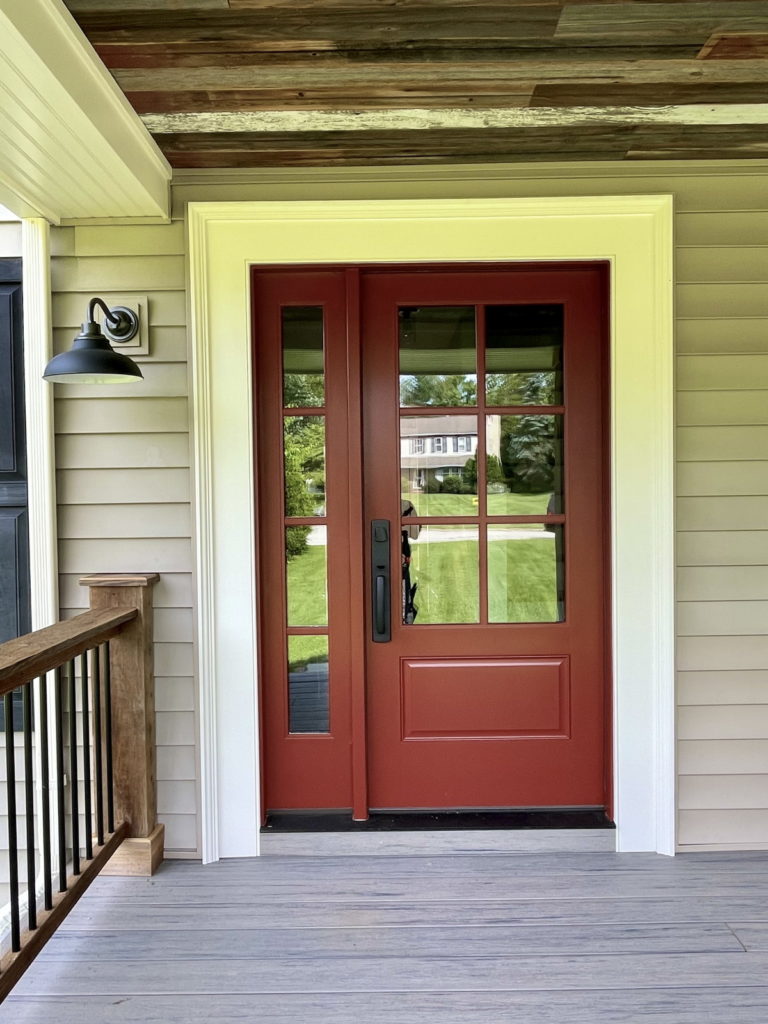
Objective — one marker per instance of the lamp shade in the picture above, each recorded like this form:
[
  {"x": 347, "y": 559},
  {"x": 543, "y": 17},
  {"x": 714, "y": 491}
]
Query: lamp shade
[{"x": 92, "y": 360}]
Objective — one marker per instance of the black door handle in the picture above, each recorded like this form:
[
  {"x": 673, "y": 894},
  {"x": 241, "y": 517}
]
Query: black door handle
[{"x": 380, "y": 581}]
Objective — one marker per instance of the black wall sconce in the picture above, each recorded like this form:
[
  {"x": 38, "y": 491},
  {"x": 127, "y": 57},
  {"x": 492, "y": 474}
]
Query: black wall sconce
[{"x": 92, "y": 360}]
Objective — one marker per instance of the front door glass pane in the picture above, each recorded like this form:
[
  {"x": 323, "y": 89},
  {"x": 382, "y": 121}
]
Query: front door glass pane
[
  {"x": 526, "y": 576},
  {"x": 524, "y": 465},
  {"x": 524, "y": 355},
  {"x": 304, "y": 465},
  {"x": 303, "y": 376},
  {"x": 308, "y": 703},
  {"x": 438, "y": 465},
  {"x": 443, "y": 568},
  {"x": 438, "y": 361},
  {"x": 306, "y": 575}
]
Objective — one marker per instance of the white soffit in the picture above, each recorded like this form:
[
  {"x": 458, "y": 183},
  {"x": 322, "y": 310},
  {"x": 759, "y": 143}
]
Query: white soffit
[{"x": 71, "y": 146}]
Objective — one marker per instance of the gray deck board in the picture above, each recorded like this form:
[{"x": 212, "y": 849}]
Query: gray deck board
[
  {"x": 101, "y": 915},
  {"x": 555, "y": 938},
  {"x": 425, "y": 941},
  {"x": 627, "y": 1006},
  {"x": 396, "y": 974}
]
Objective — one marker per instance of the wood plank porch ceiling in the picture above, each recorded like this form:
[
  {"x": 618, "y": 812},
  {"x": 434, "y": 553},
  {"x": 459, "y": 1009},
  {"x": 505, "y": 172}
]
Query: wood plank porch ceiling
[{"x": 293, "y": 83}]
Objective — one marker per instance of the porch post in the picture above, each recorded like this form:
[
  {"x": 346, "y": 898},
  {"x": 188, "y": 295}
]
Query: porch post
[{"x": 133, "y": 721}]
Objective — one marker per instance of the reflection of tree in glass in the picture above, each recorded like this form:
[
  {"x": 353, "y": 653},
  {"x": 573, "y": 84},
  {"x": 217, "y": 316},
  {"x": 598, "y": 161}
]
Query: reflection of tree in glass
[
  {"x": 529, "y": 454},
  {"x": 522, "y": 388},
  {"x": 303, "y": 455},
  {"x": 494, "y": 472},
  {"x": 303, "y": 390},
  {"x": 438, "y": 389}
]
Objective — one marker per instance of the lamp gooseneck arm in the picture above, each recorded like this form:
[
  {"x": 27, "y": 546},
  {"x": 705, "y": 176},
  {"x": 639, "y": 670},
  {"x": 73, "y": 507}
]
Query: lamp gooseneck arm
[{"x": 104, "y": 307}]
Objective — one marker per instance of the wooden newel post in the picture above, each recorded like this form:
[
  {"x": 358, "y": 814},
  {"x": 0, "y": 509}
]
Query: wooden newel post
[{"x": 133, "y": 721}]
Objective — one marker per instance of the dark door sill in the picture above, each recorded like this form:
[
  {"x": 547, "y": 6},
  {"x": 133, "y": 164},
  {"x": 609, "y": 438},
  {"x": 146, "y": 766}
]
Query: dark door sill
[{"x": 425, "y": 821}]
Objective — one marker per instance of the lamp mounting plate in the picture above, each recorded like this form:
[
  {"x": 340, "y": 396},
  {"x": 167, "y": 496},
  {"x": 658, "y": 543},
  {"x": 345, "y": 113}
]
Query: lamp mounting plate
[{"x": 125, "y": 329}]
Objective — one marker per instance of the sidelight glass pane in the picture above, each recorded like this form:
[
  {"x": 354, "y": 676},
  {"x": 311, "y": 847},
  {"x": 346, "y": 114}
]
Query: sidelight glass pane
[
  {"x": 302, "y": 337},
  {"x": 443, "y": 569},
  {"x": 438, "y": 465},
  {"x": 524, "y": 355},
  {"x": 524, "y": 465},
  {"x": 304, "y": 465},
  {"x": 438, "y": 363},
  {"x": 526, "y": 573},
  {"x": 306, "y": 575},
  {"x": 308, "y": 700}
]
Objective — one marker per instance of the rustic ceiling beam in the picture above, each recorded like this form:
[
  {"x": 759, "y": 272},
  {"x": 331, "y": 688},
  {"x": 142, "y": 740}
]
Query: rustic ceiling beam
[
  {"x": 476, "y": 25},
  {"x": 464, "y": 146},
  {"x": 365, "y": 56},
  {"x": 421, "y": 119},
  {"x": 305, "y": 75}
]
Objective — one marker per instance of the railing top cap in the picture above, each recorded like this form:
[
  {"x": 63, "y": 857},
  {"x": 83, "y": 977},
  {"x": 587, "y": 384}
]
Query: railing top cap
[{"x": 134, "y": 579}]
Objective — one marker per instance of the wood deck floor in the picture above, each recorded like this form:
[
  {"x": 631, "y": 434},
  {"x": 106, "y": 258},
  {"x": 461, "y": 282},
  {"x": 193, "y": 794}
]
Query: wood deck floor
[{"x": 455, "y": 939}]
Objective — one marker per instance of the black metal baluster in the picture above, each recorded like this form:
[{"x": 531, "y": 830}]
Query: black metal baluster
[
  {"x": 97, "y": 751},
  {"x": 74, "y": 796},
  {"x": 13, "y": 845},
  {"x": 108, "y": 736},
  {"x": 61, "y": 819},
  {"x": 45, "y": 793},
  {"x": 29, "y": 809},
  {"x": 86, "y": 712}
]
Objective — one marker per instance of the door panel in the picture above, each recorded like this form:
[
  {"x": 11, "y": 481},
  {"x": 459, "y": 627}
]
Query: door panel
[
  {"x": 433, "y": 585},
  {"x": 482, "y": 398}
]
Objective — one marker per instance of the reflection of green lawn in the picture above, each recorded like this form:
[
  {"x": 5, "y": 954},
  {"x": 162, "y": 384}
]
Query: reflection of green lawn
[
  {"x": 518, "y": 504},
  {"x": 521, "y": 581},
  {"x": 447, "y": 576},
  {"x": 521, "y": 585},
  {"x": 466, "y": 504},
  {"x": 305, "y": 649},
  {"x": 307, "y": 605}
]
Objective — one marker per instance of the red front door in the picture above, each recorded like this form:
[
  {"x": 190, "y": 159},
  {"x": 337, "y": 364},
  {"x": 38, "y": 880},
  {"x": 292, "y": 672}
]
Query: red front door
[{"x": 433, "y": 595}]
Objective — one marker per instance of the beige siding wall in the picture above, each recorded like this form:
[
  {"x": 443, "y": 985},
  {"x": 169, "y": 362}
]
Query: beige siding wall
[
  {"x": 123, "y": 478},
  {"x": 10, "y": 238},
  {"x": 125, "y": 484}
]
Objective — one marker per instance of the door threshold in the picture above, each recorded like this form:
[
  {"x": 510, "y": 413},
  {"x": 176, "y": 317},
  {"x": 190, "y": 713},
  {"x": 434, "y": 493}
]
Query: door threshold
[
  {"x": 329, "y": 834},
  {"x": 438, "y": 821}
]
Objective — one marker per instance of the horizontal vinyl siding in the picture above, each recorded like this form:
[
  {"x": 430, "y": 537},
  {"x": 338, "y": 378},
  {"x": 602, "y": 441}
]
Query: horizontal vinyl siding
[
  {"x": 123, "y": 478},
  {"x": 722, "y": 521}
]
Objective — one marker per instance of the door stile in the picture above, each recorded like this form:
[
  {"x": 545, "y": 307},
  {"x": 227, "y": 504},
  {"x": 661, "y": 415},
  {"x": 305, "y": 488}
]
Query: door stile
[
  {"x": 357, "y": 548},
  {"x": 482, "y": 496}
]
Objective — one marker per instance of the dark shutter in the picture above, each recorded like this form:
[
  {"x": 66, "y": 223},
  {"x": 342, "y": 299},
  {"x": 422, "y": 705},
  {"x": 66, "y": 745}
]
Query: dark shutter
[{"x": 14, "y": 531}]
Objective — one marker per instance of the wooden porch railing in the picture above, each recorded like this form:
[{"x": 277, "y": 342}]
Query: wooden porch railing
[{"x": 87, "y": 749}]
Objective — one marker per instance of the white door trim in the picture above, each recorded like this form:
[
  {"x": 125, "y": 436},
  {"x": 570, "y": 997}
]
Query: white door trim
[
  {"x": 634, "y": 233},
  {"x": 38, "y": 396}
]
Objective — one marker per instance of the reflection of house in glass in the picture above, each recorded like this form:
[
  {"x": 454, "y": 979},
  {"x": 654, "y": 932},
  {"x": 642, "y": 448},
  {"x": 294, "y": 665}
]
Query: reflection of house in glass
[{"x": 435, "y": 448}]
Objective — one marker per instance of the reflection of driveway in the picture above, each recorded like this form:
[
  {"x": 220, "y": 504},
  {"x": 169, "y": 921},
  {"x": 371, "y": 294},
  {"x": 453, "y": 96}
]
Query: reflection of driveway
[{"x": 438, "y": 535}]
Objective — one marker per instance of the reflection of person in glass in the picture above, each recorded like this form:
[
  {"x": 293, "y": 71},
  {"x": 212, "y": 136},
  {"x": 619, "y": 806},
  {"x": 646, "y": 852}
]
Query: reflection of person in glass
[{"x": 410, "y": 611}]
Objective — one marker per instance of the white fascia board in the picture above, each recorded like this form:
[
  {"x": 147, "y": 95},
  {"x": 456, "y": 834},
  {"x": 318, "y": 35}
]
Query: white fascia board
[{"x": 71, "y": 146}]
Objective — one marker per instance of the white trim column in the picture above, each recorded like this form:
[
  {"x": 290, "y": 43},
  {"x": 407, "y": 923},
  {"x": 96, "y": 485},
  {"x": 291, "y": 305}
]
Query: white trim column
[
  {"x": 632, "y": 233},
  {"x": 38, "y": 395}
]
